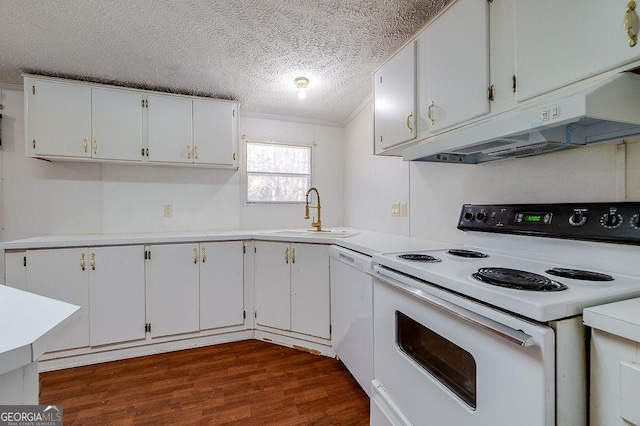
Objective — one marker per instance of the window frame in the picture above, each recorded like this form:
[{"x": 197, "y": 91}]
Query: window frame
[{"x": 246, "y": 173}]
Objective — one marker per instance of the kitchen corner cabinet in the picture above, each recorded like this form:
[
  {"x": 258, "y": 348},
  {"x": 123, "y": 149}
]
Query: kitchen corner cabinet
[
  {"x": 580, "y": 39},
  {"x": 394, "y": 100},
  {"x": 106, "y": 282},
  {"x": 292, "y": 287},
  {"x": 68, "y": 120},
  {"x": 454, "y": 64}
]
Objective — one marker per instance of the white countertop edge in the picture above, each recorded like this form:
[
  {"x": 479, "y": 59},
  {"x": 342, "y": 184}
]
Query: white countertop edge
[
  {"x": 618, "y": 318},
  {"x": 366, "y": 242},
  {"x": 30, "y": 322}
]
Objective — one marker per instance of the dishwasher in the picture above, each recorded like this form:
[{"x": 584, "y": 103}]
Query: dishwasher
[{"x": 352, "y": 312}]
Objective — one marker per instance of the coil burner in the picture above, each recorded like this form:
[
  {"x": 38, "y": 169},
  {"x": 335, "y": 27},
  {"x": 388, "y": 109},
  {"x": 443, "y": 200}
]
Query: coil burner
[
  {"x": 578, "y": 274},
  {"x": 467, "y": 253},
  {"x": 417, "y": 257},
  {"x": 516, "y": 279}
]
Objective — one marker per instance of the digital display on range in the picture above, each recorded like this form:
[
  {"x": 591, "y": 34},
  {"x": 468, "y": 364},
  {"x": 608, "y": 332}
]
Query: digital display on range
[
  {"x": 543, "y": 218},
  {"x": 532, "y": 218}
]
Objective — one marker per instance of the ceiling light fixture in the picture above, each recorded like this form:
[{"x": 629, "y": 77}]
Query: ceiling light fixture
[{"x": 301, "y": 84}]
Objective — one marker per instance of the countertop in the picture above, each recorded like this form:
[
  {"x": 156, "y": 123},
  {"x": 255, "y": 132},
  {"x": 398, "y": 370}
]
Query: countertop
[
  {"x": 29, "y": 322},
  {"x": 366, "y": 242},
  {"x": 618, "y": 318}
]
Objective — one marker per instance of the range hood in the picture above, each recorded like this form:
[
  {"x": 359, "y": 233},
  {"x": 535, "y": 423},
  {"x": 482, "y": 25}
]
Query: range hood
[{"x": 596, "y": 111}]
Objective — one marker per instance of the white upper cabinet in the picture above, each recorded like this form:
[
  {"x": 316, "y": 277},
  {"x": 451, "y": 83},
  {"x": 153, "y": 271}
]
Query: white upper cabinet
[
  {"x": 394, "y": 100},
  {"x": 69, "y": 120},
  {"x": 214, "y": 125},
  {"x": 59, "y": 119},
  {"x": 457, "y": 65},
  {"x": 116, "y": 124},
  {"x": 560, "y": 42},
  {"x": 170, "y": 129}
]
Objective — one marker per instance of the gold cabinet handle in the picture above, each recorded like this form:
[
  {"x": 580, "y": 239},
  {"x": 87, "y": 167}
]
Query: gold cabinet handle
[
  {"x": 189, "y": 152},
  {"x": 93, "y": 261},
  {"x": 204, "y": 255},
  {"x": 293, "y": 255},
  {"x": 195, "y": 151},
  {"x": 95, "y": 146},
  {"x": 85, "y": 144},
  {"x": 409, "y": 117},
  {"x": 82, "y": 261},
  {"x": 286, "y": 255},
  {"x": 431, "y": 105},
  {"x": 195, "y": 255},
  {"x": 628, "y": 23}
]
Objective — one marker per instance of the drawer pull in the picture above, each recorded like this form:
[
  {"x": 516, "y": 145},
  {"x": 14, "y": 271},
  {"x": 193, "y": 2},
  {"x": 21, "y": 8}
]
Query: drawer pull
[
  {"x": 286, "y": 255},
  {"x": 195, "y": 255},
  {"x": 93, "y": 261},
  {"x": 82, "y": 261},
  {"x": 409, "y": 117},
  {"x": 431, "y": 105},
  {"x": 204, "y": 255}
]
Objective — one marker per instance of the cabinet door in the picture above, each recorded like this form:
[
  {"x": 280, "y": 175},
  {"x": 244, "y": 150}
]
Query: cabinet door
[
  {"x": 170, "y": 132},
  {"x": 63, "y": 274},
  {"x": 458, "y": 64},
  {"x": 173, "y": 289},
  {"x": 215, "y": 132},
  {"x": 59, "y": 118},
  {"x": 15, "y": 270},
  {"x": 310, "y": 301},
  {"x": 559, "y": 42},
  {"x": 221, "y": 284},
  {"x": 116, "y": 294},
  {"x": 395, "y": 100},
  {"x": 116, "y": 124},
  {"x": 272, "y": 284}
]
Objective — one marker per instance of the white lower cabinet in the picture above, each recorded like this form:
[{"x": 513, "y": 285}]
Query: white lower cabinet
[
  {"x": 221, "y": 284},
  {"x": 63, "y": 274},
  {"x": 173, "y": 289},
  {"x": 106, "y": 282},
  {"x": 292, "y": 287},
  {"x": 116, "y": 294},
  {"x": 194, "y": 287}
]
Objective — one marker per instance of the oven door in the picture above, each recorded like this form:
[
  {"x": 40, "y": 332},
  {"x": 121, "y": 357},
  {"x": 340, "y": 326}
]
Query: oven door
[{"x": 444, "y": 359}]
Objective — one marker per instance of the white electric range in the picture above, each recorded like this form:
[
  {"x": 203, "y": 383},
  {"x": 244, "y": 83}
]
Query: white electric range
[{"x": 492, "y": 331}]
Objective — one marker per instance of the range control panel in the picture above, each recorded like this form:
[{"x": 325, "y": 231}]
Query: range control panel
[{"x": 612, "y": 222}]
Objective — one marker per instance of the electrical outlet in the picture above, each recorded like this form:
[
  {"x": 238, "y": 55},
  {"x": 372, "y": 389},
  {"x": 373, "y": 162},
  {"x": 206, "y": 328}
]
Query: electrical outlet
[
  {"x": 168, "y": 210},
  {"x": 403, "y": 209},
  {"x": 395, "y": 209}
]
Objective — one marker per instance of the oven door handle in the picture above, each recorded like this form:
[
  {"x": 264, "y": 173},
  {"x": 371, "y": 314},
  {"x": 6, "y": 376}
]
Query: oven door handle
[{"x": 515, "y": 336}]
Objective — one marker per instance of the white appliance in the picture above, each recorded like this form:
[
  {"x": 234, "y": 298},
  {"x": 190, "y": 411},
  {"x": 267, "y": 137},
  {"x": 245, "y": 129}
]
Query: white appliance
[
  {"x": 601, "y": 109},
  {"x": 458, "y": 341},
  {"x": 352, "y": 312}
]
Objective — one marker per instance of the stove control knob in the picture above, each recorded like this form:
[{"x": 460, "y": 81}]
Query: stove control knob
[
  {"x": 635, "y": 221},
  {"x": 577, "y": 219},
  {"x": 611, "y": 220},
  {"x": 481, "y": 217},
  {"x": 468, "y": 216}
]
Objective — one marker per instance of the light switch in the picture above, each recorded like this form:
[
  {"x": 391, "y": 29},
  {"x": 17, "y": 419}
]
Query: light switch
[
  {"x": 168, "y": 210},
  {"x": 555, "y": 111},
  {"x": 403, "y": 209},
  {"x": 395, "y": 209}
]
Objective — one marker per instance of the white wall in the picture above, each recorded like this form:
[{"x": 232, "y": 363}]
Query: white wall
[
  {"x": 372, "y": 183},
  {"x": 43, "y": 198},
  {"x": 436, "y": 192}
]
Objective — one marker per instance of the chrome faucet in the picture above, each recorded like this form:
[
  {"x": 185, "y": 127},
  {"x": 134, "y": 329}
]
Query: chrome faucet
[{"x": 318, "y": 224}]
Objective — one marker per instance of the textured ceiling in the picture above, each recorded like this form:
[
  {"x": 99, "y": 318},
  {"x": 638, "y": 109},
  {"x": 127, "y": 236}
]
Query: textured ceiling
[{"x": 249, "y": 50}]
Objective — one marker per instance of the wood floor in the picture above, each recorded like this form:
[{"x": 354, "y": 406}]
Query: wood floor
[{"x": 242, "y": 383}]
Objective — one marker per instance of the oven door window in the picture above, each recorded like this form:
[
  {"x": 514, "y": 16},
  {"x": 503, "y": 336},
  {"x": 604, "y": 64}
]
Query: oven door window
[{"x": 449, "y": 363}]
